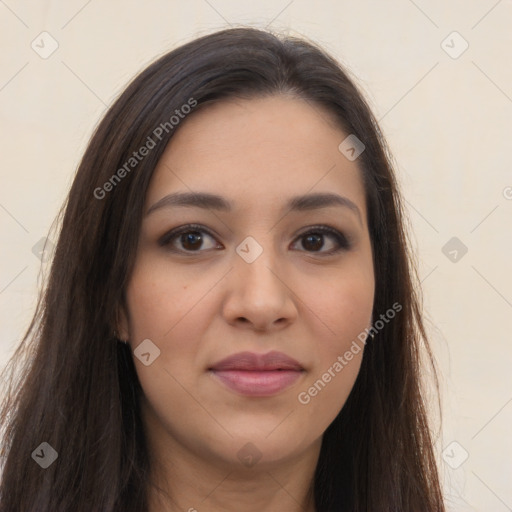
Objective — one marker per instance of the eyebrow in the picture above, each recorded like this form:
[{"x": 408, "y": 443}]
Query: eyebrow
[{"x": 209, "y": 201}]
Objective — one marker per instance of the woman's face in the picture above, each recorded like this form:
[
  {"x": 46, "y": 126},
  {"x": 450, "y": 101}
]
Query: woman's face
[{"x": 259, "y": 278}]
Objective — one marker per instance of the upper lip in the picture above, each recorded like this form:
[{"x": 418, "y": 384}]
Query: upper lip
[{"x": 250, "y": 361}]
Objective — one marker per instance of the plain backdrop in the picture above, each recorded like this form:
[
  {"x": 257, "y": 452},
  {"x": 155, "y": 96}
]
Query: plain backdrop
[{"x": 438, "y": 76}]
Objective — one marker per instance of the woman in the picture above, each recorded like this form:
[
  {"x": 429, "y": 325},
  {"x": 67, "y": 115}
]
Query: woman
[{"x": 231, "y": 319}]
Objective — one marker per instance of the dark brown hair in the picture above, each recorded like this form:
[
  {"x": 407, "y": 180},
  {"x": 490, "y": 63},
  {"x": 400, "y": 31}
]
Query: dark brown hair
[{"x": 73, "y": 385}]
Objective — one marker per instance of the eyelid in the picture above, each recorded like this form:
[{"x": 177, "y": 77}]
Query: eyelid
[
  {"x": 173, "y": 233},
  {"x": 344, "y": 241},
  {"x": 328, "y": 229}
]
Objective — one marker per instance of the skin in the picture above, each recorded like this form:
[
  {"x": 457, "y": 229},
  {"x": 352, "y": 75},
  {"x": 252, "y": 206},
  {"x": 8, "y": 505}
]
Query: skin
[{"x": 200, "y": 307}]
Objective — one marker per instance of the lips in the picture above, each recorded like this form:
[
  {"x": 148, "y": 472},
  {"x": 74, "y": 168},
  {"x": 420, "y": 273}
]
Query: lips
[
  {"x": 252, "y": 374},
  {"x": 250, "y": 361}
]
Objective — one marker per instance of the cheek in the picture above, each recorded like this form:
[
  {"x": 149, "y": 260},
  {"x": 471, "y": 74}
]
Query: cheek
[
  {"x": 165, "y": 307},
  {"x": 160, "y": 298},
  {"x": 171, "y": 308},
  {"x": 345, "y": 308}
]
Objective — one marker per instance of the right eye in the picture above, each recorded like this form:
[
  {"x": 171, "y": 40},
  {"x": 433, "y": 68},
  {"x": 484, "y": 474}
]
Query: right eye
[{"x": 191, "y": 238}]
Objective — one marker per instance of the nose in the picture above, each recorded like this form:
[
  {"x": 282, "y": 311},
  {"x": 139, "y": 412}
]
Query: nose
[{"x": 259, "y": 296}]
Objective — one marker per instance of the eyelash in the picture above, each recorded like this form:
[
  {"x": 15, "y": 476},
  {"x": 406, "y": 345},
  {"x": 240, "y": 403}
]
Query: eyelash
[{"x": 342, "y": 240}]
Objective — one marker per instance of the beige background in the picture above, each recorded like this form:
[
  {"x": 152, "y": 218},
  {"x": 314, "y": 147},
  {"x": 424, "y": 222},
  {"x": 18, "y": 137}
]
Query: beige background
[{"x": 448, "y": 121}]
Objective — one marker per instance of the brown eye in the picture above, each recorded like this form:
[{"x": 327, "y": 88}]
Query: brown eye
[
  {"x": 194, "y": 238},
  {"x": 314, "y": 240},
  {"x": 191, "y": 238}
]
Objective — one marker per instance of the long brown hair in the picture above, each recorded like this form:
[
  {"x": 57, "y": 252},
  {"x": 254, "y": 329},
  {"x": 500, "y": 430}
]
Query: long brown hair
[{"x": 72, "y": 385}]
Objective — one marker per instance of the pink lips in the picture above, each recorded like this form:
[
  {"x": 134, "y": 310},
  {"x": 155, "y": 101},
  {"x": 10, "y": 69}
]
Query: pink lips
[{"x": 257, "y": 374}]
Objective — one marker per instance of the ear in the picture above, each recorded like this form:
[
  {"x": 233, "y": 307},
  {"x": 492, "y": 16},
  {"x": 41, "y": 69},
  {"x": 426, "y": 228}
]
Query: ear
[{"x": 122, "y": 324}]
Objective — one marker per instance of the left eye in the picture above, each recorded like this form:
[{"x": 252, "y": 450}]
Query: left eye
[
  {"x": 314, "y": 238},
  {"x": 192, "y": 237}
]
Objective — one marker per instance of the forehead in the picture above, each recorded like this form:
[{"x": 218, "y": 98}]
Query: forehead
[{"x": 255, "y": 151}]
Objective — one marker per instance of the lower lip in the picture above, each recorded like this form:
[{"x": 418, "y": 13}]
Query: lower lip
[{"x": 258, "y": 383}]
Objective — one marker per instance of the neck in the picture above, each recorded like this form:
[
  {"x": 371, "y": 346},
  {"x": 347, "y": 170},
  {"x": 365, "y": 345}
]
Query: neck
[
  {"x": 192, "y": 480},
  {"x": 212, "y": 491}
]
